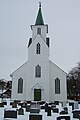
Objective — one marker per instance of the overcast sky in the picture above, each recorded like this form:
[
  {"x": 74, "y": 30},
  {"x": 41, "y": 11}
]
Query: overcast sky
[{"x": 63, "y": 19}]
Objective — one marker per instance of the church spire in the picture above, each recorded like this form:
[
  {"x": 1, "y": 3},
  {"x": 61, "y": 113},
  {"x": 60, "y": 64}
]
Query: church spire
[{"x": 39, "y": 19}]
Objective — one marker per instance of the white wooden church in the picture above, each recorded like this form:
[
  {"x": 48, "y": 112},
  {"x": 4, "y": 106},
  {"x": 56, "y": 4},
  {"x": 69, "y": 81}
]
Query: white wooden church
[{"x": 39, "y": 78}]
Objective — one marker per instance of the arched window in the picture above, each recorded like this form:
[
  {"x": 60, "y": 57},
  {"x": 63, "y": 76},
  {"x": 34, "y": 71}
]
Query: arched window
[
  {"x": 38, "y": 47},
  {"x": 20, "y": 85},
  {"x": 39, "y": 31},
  {"x": 37, "y": 71},
  {"x": 57, "y": 86}
]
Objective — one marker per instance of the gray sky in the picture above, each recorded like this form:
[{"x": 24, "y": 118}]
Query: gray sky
[{"x": 63, "y": 19}]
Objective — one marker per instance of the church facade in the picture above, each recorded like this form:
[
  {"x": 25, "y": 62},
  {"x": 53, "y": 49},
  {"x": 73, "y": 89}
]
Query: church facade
[{"x": 39, "y": 78}]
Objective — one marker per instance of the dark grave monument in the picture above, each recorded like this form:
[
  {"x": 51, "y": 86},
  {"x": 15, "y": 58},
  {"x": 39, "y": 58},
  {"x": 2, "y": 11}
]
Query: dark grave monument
[
  {"x": 53, "y": 106},
  {"x": 34, "y": 110},
  {"x": 10, "y": 114},
  {"x": 63, "y": 117},
  {"x": 28, "y": 107},
  {"x": 14, "y": 105},
  {"x": 49, "y": 111},
  {"x": 41, "y": 102},
  {"x": 65, "y": 109},
  {"x": 2, "y": 104},
  {"x": 63, "y": 112},
  {"x": 56, "y": 102},
  {"x": 46, "y": 107},
  {"x": 20, "y": 111},
  {"x": 35, "y": 117},
  {"x": 5, "y": 103},
  {"x": 76, "y": 114},
  {"x": 24, "y": 105},
  {"x": 42, "y": 107},
  {"x": 55, "y": 110},
  {"x": 71, "y": 104}
]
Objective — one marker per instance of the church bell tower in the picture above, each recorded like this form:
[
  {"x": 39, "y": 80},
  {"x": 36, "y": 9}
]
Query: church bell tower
[{"x": 38, "y": 61}]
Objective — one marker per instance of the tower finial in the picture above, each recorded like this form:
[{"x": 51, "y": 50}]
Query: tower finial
[{"x": 39, "y": 4}]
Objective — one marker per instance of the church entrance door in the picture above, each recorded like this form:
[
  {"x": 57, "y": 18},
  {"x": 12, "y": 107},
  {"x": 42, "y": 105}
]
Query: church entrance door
[{"x": 37, "y": 94}]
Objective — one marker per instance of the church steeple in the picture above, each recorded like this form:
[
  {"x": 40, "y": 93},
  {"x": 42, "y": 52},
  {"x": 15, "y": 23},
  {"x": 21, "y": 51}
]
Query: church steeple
[{"x": 39, "y": 19}]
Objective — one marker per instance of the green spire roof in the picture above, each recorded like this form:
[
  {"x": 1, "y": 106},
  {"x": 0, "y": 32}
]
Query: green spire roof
[{"x": 39, "y": 20}]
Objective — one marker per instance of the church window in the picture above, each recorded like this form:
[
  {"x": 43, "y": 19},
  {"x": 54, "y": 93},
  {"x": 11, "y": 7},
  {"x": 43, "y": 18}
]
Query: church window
[
  {"x": 39, "y": 31},
  {"x": 38, "y": 47},
  {"x": 57, "y": 86},
  {"x": 20, "y": 85},
  {"x": 37, "y": 71}
]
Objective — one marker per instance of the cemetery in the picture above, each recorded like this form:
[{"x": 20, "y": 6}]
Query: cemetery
[{"x": 35, "y": 110}]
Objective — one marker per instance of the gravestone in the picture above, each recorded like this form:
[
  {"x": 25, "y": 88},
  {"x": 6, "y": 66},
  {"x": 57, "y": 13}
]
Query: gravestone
[
  {"x": 56, "y": 102},
  {"x": 76, "y": 114},
  {"x": 21, "y": 111},
  {"x": 42, "y": 107},
  {"x": 46, "y": 107},
  {"x": 5, "y": 103},
  {"x": 1, "y": 104},
  {"x": 49, "y": 111},
  {"x": 10, "y": 114},
  {"x": 53, "y": 106},
  {"x": 76, "y": 105},
  {"x": 35, "y": 117},
  {"x": 55, "y": 110},
  {"x": 63, "y": 112},
  {"x": 24, "y": 105},
  {"x": 63, "y": 117},
  {"x": 34, "y": 110},
  {"x": 65, "y": 109},
  {"x": 71, "y": 104},
  {"x": 28, "y": 108},
  {"x": 14, "y": 105}
]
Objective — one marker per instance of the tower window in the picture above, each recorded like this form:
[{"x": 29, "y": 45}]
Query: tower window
[
  {"x": 39, "y": 31},
  {"x": 37, "y": 71},
  {"x": 57, "y": 86},
  {"x": 20, "y": 85},
  {"x": 38, "y": 48}
]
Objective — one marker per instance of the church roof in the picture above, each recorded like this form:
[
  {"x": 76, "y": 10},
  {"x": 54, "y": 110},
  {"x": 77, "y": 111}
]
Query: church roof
[{"x": 39, "y": 19}]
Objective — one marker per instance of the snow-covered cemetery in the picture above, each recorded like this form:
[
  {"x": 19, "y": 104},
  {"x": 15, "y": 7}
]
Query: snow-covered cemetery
[{"x": 39, "y": 89}]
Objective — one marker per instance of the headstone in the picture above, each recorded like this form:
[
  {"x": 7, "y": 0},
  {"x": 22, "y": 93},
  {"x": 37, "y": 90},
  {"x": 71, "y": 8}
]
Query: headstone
[
  {"x": 28, "y": 108},
  {"x": 34, "y": 110},
  {"x": 1, "y": 104},
  {"x": 76, "y": 114},
  {"x": 46, "y": 107},
  {"x": 76, "y": 105},
  {"x": 55, "y": 110},
  {"x": 65, "y": 109},
  {"x": 14, "y": 105},
  {"x": 63, "y": 118},
  {"x": 10, "y": 114},
  {"x": 42, "y": 107},
  {"x": 49, "y": 111},
  {"x": 64, "y": 104},
  {"x": 23, "y": 105},
  {"x": 63, "y": 112},
  {"x": 71, "y": 104},
  {"x": 5, "y": 103},
  {"x": 56, "y": 102},
  {"x": 35, "y": 117},
  {"x": 53, "y": 106},
  {"x": 21, "y": 111}
]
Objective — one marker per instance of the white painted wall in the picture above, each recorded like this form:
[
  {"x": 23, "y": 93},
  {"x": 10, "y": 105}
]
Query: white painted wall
[
  {"x": 55, "y": 72},
  {"x": 43, "y": 60},
  {"x": 20, "y": 72}
]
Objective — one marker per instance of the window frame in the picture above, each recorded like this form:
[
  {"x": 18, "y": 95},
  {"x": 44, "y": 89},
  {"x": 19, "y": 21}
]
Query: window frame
[
  {"x": 57, "y": 86},
  {"x": 20, "y": 85}
]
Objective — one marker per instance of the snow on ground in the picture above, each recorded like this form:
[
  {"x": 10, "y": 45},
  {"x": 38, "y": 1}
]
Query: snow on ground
[{"x": 42, "y": 112}]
